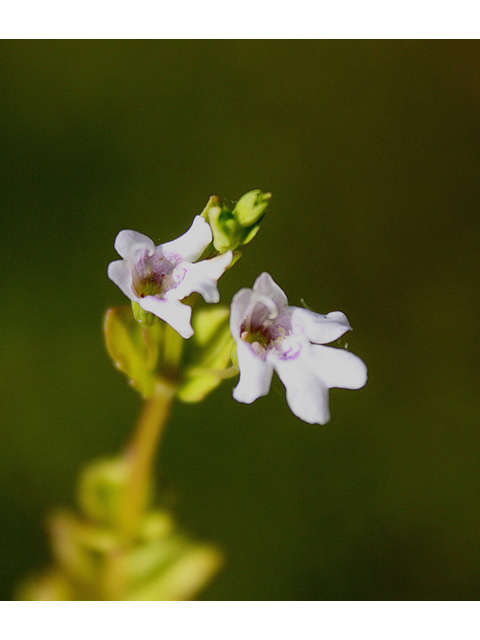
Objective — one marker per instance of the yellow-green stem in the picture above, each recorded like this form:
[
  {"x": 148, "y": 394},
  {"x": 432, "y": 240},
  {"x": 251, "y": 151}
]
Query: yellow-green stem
[{"x": 140, "y": 456}]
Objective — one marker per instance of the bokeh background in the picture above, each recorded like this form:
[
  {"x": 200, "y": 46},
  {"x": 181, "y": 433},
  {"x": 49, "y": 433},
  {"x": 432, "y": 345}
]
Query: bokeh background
[{"x": 371, "y": 150}]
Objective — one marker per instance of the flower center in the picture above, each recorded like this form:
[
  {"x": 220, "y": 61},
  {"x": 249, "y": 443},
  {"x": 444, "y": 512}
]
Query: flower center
[
  {"x": 256, "y": 337},
  {"x": 262, "y": 327},
  {"x": 152, "y": 275},
  {"x": 148, "y": 286}
]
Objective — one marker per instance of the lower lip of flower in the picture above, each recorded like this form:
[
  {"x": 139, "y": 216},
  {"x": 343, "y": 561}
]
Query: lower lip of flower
[{"x": 291, "y": 353}]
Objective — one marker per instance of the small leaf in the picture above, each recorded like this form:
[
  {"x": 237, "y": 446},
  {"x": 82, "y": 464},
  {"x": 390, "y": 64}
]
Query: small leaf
[
  {"x": 133, "y": 349},
  {"x": 183, "y": 576},
  {"x": 51, "y": 585},
  {"x": 207, "y": 322},
  {"x": 78, "y": 547},
  {"x": 151, "y": 558},
  {"x": 212, "y": 343},
  {"x": 101, "y": 490},
  {"x": 155, "y": 524}
]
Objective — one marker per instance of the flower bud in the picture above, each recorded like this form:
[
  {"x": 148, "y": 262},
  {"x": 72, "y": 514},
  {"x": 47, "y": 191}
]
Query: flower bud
[
  {"x": 231, "y": 229},
  {"x": 145, "y": 318},
  {"x": 221, "y": 223},
  {"x": 251, "y": 207}
]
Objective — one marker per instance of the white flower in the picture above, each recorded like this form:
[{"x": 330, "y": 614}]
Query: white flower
[
  {"x": 157, "y": 278},
  {"x": 270, "y": 336}
]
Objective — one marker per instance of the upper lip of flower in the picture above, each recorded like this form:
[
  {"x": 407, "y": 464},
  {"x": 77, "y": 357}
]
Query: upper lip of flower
[
  {"x": 270, "y": 335},
  {"x": 157, "y": 278}
]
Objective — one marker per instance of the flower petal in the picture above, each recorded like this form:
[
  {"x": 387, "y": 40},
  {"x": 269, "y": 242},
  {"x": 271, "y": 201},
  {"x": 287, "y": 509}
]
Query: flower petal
[
  {"x": 192, "y": 244},
  {"x": 201, "y": 277},
  {"x": 267, "y": 286},
  {"x": 339, "y": 368},
  {"x": 255, "y": 374},
  {"x": 307, "y": 395},
  {"x": 120, "y": 273},
  {"x": 176, "y": 314},
  {"x": 240, "y": 303},
  {"x": 319, "y": 328},
  {"x": 128, "y": 241}
]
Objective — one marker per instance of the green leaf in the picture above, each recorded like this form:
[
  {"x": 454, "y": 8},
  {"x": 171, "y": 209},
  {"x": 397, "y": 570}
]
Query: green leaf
[
  {"x": 50, "y": 585},
  {"x": 133, "y": 348},
  {"x": 211, "y": 343},
  {"x": 184, "y": 568},
  {"x": 101, "y": 489},
  {"x": 207, "y": 323},
  {"x": 79, "y": 546}
]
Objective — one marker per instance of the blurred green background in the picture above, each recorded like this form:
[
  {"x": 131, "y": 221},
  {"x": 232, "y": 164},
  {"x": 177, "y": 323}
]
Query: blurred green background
[{"x": 371, "y": 150}]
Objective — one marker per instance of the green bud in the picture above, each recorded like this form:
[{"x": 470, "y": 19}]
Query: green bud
[
  {"x": 219, "y": 218},
  {"x": 231, "y": 229},
  {"x": 251, "y": 208},
  {"x": 145, "y": 318}
]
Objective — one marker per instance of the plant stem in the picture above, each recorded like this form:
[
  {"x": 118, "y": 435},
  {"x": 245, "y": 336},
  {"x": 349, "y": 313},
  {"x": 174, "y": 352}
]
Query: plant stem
[{"x": 140, "y": 456}]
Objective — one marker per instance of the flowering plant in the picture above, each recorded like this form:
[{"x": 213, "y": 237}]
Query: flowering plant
[{"x": 118, "y": 545}]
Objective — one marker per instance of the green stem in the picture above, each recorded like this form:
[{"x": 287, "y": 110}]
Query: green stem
[{"x": 140, "y": 456}]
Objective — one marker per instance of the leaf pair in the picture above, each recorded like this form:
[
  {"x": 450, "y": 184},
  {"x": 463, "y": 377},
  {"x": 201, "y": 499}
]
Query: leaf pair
[
  {"x": 149, "y": 355},
  {"x": 92, "y": 561}
]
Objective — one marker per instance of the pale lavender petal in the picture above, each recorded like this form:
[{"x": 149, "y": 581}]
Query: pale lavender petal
[
  {"x": 307, "y": 395},
  {"x": 267, "y": 286},
  {"x": 128, "y": 241},
  {"x": 317, "y": 327},
  {"x": 240, "y": 303},
  {"x": 339, "y": 368},
  {"x": 192, "y": 244},
  {"x": 201, "y": 277},
  {"x": 176, "y": 314},
  {"x": 120, "y": 273},
  {"x": 255, "y": 374}
]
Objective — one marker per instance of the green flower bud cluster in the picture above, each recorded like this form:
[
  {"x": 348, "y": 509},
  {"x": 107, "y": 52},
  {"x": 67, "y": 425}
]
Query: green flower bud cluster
[{"x": 233, "y": 228}]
